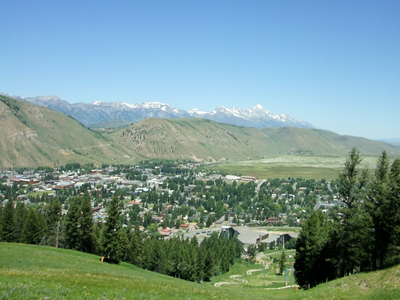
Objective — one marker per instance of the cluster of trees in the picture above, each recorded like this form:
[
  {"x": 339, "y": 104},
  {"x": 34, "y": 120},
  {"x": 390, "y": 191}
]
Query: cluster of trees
[
  {"x": 185, "y": 259},
  {"x": 363, "y": 236},
  {"x": 30, "y": 225}
]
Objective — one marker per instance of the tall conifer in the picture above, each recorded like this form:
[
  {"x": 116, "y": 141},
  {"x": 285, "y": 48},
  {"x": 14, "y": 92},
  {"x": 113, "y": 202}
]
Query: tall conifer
[
  {"x": 8, "y": 225},
  {"x": 110, "y": 237}
]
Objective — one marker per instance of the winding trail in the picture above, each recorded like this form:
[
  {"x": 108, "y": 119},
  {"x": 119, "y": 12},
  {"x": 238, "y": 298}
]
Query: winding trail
[{"x": 235, "y": 279}]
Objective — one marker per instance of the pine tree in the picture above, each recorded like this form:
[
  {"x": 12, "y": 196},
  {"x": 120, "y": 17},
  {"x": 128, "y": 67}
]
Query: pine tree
[
  {"x": 394, "y": 198},
  {"x": 31, "y": 231},
  {"x": 20, "y": 214},
  {"x": 352, "y": 230},
  {"x": 53, "y": 219},
  {"x": 282, "y": 261},
  {"x": 310, "y": 261},
  {"x": 1, "y": 222},
  {"x": 124, "y": 244},
  {"x": 208, "y": 266},
  {"x": 86, "y": 226},
  {"x": 378, "y": 207},
  {"x": 8, "y": 225},
  {"x": 135, "y": 248},
  {"x": 71, "y": 231},
  {"x": 384, "y": 209},
  {"x": 110, "y": 237}
]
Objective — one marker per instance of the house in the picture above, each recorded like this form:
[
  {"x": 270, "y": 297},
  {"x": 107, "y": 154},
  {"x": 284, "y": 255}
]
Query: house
[
  {"x": 164, "y": 232},
  {"x": 247, "y": 178},
  {"x": 64, "y": 185},
  {"x": 284, "y": 238},
  {"x": 249, "y": 237}
]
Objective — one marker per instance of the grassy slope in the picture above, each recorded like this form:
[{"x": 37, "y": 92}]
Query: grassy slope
[
  {"x": 323, "y": 142},
  {"x": 200, "y": 139},
  {"x": 36, "y": 136},
  {"x": 195, "y": 139},
  {"x": 33, "y": 272}
]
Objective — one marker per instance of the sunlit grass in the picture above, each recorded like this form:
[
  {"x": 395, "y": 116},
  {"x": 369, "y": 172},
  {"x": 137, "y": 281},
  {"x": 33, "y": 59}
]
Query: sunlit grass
[
  {"x": 307, "y": 167},
  {"x": 39, "y": 272}
]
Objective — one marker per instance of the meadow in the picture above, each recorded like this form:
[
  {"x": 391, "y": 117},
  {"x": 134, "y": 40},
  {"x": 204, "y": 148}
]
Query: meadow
[{"x": 308, "y": 167}]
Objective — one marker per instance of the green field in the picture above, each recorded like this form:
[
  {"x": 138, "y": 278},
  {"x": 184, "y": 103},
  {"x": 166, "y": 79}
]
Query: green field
[
  {"x": 308, "y": 167},
  {"x": 39, "y": 272}
]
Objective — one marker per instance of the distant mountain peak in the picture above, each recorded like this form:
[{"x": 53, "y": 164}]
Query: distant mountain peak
[{"x": 100, "y": 112}]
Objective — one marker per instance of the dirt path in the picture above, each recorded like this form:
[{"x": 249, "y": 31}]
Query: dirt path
[{"x": 233, "y": 277}]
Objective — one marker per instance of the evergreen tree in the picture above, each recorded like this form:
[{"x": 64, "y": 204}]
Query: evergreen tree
[
  {"x": 31, "y": 231},
  {"x": 124, "y": 244},
  {"x": 394, "y": 198},
  {"x": 135, "y": 248},
  {"x": 281, "y": 262},
  {"x": 384, "y": 209},
  {"x": 352, "y": 233},
  {"x": 310, "y": 261},
  {"x": 1, "y": 222},
  {"x": 208, "y": 266},
  {"x": 86, "y": 226},
  {"x": 97, "y": 228},
  {"x": 8, "y": 225},
  {"x": 53, "y": 219},
  {"x": 72, "y": 234},
  {"x": 110, "y": 237},
  {"x": 20, "y": 214}
]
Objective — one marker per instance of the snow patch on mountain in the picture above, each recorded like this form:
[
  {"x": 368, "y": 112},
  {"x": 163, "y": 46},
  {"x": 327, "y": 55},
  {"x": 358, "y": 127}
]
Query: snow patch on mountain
[{"x": 100, "y": 111}]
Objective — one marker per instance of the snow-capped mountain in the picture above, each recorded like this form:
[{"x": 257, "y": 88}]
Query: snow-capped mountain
[
  {"x": 100, "y": 112},
  {"x": 255, "y": 117}
]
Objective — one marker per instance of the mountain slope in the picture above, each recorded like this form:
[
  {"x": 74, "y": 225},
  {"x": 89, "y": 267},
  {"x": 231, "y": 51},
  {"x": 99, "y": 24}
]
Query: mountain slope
[
  {"x": 36, "y": 136},
  {"x": 32, "y": 135},
  {"x": 195, "y": 139},
  {"x": 205, "y": 140},
  {"x": 323, "y": 142}
]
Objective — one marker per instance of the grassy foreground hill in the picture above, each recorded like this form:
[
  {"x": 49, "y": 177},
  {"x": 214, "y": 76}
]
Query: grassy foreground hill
[{"x": 39, "y": 272}]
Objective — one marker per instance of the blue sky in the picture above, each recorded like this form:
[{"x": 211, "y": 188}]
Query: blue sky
[{"x": 335, "y": 64}]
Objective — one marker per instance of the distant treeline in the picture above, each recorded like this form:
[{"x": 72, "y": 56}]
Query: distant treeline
[{"x": 363, "y": 236}]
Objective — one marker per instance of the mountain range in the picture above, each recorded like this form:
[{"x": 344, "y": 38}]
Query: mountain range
[
  {"x": 116, "y": 114},
  {"x": 34, "y": 136}
]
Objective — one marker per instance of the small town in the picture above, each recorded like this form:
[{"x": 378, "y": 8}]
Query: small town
[{"x": 180, "y": 199}]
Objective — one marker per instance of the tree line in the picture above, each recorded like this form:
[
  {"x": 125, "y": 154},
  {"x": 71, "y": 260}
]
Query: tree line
[
  {"x": 362, "y": 236},
  {"x": 178, "y": 257}
]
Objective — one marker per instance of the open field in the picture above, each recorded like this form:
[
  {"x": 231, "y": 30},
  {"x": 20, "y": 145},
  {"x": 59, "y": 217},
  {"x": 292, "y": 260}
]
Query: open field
[{"x": 309, "y": 167}]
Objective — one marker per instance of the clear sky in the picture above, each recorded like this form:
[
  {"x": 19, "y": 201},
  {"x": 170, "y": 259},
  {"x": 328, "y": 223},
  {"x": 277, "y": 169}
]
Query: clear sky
[{"x": 335, "y": 64}]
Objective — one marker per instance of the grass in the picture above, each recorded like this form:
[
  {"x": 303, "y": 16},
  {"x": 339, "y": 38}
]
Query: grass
[
  {"x": 308, "y": 167},
  {"x": 40, "y": 272}
]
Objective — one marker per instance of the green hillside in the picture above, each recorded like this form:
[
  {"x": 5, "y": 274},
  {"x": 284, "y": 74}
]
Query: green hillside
[
  {"x": 323, "y": 142},
  {"x": 200, "y": 139},
  {"x": 195, "y": 139},
  {"x": 32, "y": 136},
  {"x": 37, "y": 272}
]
